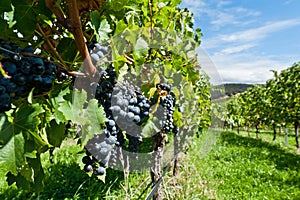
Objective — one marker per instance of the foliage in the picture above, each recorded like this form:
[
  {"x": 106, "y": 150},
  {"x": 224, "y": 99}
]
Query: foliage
[
  {"x": 274, "y": 104},
  {"x": 153, "y": 41},
  {"x": 207, "y": 173}
]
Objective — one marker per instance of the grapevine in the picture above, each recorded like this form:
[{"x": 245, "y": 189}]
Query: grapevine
[
  {"x": 114, "y": 74},
  {"x": 265, "y": 105}
]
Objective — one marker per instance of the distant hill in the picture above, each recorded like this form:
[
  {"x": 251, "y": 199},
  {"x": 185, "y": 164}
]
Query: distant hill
[
  {"x": 234, "y": 88},
  {"x": 230, "y": 89}
]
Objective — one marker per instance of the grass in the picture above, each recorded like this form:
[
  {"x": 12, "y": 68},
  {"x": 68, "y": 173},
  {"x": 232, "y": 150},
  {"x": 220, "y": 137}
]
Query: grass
[{"x": 219, "y": 165}]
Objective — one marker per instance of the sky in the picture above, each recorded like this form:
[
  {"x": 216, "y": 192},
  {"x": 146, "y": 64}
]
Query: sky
[{"x": 244, "y": 39}]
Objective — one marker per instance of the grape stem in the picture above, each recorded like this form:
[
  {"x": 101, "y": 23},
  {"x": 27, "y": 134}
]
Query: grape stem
[
  {"x": 75, "y": 29},
  {"x": 56, "y": 54},
  {"x": 73, "y": 24},
  {"x": 129, "y": 60}
]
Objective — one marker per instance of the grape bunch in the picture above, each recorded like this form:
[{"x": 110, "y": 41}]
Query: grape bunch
[
  {"x": 100, "y": 148},
  {"x": 20, "y": 71},
  {"x": 98, "y": 53},
  {"x": 130, "y": 109},
  {"x": 167, "y": 101},
  {"x": 127, "y": 109}
]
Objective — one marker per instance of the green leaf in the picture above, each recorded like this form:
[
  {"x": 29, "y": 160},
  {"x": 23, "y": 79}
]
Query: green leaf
[
  {"x": 25, "y": 17},
  {"x": 13, "y": 135},
  {"x": 93, "y": 117},
  {"x": 95, "y": 19},
  {"x": 6, "y": 32},
  {"x": 55, "y": 133},
  {"x": 58, "y": 95},
  {"x": 5, "y": 6},
  {"x": 150, "y": 128},
  {"x": 27, "y": 119},
  {"x": 102, "y": 177},
  {"x": 27, "y": 14},
  {"x": 103, "y": 31},
  {"x": 64, "y": 47},
  {"x": 120, "y": 27},
  {"x": 86, "y": 114},
  {"x": 11, "y": 147},
  {"x": 141, "y": 47}
]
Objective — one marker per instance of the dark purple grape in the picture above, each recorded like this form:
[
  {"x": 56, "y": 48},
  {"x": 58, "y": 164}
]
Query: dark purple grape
[
  {"x": 2, "y": 89},
  {"x": 25, "y": 68},
  {"x": 100, "y": 171},
  {"x": 36, "y": 79},
  {"x": 35, "y": 61},
  {"x": 133, "y": 101},
  {"x": 38, "y": 69},
  {"x": 146, "y": 114},
  {"x": 9, "y": 67},
  {"x": 28, "y": 49},
  {"x": 21, "y": 90},
  {"x": 87, "y": 160},
  {"x": 146, "y": 106},
  {"x": 100, "y": 54},
  {"x": 11, "y": 88},
  {"x": 50, "y": 69},
  {"x": 136, "y": 119},
  {"x": 19, "y": 79},
  {"x": 5, "y": 107},
  {"x": 95, "y": 58},
  {"x": 88, "y": 168},
  {"x": 16, "y": 57},
  {"x": 4, "y": 98},
  {"x": 102, "y": 164},
  {"x": 47, "y": 82},
  {"x": 130, "y": 116}
]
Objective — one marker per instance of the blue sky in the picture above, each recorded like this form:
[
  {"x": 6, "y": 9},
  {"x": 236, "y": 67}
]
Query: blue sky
[{"x": 245, "y": 39}]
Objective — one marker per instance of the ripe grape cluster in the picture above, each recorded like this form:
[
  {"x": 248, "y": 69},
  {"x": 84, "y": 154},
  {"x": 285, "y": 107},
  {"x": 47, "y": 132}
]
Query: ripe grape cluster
[
  {"x": 126, "y": 108},
  {"x": 167, "y": 101},
  {"x": 130, "y": 109},
  {"x": 22, "y": 70}
]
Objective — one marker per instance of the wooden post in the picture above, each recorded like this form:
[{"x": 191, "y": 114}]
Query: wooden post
[{"x": 158, "y": 144}]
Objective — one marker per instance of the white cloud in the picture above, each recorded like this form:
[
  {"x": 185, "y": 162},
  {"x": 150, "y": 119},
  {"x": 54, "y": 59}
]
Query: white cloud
[
  {"x": 259, "y": 32},
  {"x": 247, "y": 68},
  {"x": 219, "y": 12},
  {"x": 230, "y": 59},
  {"x": 223, "y": 18},
  {"x": 243, "y": 40},
  {"x": 197, "y": 7},
  {"x": 221, "y": 3},
  {"x": 238, "y": 48}
]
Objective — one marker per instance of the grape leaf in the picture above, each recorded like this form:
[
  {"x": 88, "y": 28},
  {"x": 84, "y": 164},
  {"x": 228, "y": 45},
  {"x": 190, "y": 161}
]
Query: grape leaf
[
  {"x": 12, "y": 135},
  {"x": 86, "y": 114},
  {"x": 6, "y": 32},
  {"x": 150, "y": 128},
  {"x": 95, "y": 19},
  {"x": 5, "y": 6},
  {"x": 27, "y": 13},
  {"x": 55, "y": 133},
  {"x": 25, "y": 17},
  {"x": 64, "y": 47},
  {"x": 103, "y": 31},
  {"x": 11, "y": 147},
  {"x": 58, "y": 95}
]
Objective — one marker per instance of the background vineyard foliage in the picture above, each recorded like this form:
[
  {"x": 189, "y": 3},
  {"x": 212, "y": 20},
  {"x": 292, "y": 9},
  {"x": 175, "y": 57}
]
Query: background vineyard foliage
[
  {"x": 36, "y": 124},
  {"x": 273, "y": 105}
]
